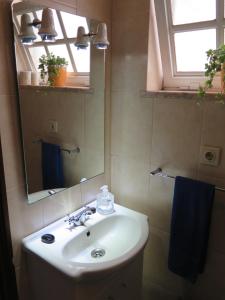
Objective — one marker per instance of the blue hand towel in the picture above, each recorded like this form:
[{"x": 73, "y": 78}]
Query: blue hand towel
[
  {"x": 52, "y": 167},
  {"x": 192, "y": 204}
]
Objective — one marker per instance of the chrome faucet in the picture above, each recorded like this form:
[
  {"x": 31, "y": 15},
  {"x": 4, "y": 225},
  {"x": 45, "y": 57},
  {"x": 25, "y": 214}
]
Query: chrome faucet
[{"x": 80, "y": 218}]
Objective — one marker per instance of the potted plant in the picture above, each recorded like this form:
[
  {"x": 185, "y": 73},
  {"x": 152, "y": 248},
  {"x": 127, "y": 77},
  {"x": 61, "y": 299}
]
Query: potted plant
[
  {"x": 215, "y": 64},
  {"x": 54, "y": 67}
]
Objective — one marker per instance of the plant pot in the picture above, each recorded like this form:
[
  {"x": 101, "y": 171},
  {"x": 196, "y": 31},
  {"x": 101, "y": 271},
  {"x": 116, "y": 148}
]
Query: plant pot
[{"x": 57, "y": 75}]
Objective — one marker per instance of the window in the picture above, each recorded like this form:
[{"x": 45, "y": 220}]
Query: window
[
  {"x": 66, "y": 25},
  {"x": 186, "y": 30}
]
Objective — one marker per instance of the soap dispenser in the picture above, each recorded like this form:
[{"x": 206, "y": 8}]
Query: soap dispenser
[{"x": 105, "y": 201}]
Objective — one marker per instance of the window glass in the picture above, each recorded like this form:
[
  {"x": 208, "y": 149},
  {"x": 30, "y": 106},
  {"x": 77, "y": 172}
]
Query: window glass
[
  {"x": 76, "y": 21},
  {"x": 36, "y": 53},
  {"x": 190, "y": 11},
  {"x": 81, "y": 58},
  {"x": 56, "y": 22},
  {"x": 191, "y": 49},
  {"x": 61, "y": 50}
]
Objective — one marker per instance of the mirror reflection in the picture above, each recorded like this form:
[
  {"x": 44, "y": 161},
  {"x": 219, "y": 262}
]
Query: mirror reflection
[{"x": 62, "y": 123}]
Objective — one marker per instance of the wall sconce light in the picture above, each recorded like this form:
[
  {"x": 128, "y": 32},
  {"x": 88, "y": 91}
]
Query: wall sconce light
[
  {"x": 46, "y": 28},
  {"x": 99, "y": 38},
  {"x": 27, "y": 34}
]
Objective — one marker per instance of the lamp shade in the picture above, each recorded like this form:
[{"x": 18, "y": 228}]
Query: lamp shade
[
  {"x": 26, "y": 34},
  {"x": 82, "y": 39},
  {"x": 47, "y": 30},
  {"x": 100, "y": 40}
]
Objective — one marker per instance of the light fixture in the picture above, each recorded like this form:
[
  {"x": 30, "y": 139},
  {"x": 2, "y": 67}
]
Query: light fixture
[
  {"x": 99, "y": 38},
  {"x": 82, "y": 39},
  {"x": 47, "y": 30},
  {"x": 26, "y": 34}
]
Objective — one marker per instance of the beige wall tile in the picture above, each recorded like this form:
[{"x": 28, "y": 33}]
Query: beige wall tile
[
  {"x": 90, "y": 188},
  {"x": 131, "y": 128},
  {"x": 24, "y": 218},
  {"x": 211, "y": 282},
  {"x": 130, "y": 181},
  {"x": 130, "y": 44},
  {"x": 74, "y": 199},
  {"x": 159, "y": 205},
  {"x": 11, "y": 144},
  {"x": 176, "y": 135},
  {"x": 23, "y": 281},
  {"x": 98, "y": 9},
  {"x": 54, "y": 207},
  {"x": 155, "y": 264},
  {"x": 213, "y": 135}
]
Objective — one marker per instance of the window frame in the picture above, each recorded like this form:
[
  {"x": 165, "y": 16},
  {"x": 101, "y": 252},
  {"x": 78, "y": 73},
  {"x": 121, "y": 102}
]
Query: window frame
[{"x": 172, "y": 79}]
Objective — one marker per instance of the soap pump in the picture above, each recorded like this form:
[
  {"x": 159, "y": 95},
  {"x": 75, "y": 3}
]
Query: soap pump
[{"x": 105, "y": 201}]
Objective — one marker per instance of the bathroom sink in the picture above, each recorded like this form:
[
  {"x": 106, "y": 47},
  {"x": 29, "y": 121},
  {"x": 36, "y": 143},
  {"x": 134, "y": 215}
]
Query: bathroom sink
[{"x": 105, "y": 243}]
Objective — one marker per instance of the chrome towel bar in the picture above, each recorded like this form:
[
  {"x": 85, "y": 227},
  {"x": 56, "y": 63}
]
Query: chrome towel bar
[
  {"x": 75, "y": 150},
  {"x": 159, "y": 172}
]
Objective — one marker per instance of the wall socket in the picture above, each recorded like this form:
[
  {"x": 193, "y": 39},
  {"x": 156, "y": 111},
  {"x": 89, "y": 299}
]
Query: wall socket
[
  {"x": 53, "y": 126},
  {"x": 210, "y": 155}
]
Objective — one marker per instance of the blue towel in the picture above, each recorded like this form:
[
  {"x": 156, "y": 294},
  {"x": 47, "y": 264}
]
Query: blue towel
[
  {"x": 52, "y": 167},
  {"x": 192, "y": 204}
]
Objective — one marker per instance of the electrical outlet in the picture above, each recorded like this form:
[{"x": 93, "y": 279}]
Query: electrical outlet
[
  {"x": 53, "y": 126},
  {"x": 210, "y": 155}
]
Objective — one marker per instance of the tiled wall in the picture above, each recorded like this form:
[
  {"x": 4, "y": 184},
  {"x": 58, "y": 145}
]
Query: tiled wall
[
  {"x": 148, "y": 132},
  {"x": 25, "y": 218},
  {"x": 73, "y": 110}
]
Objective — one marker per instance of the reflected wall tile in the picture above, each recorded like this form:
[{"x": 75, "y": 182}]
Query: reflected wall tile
[
  {"x": 94, "y": 121},
  {"x": 176, "y": 138}
]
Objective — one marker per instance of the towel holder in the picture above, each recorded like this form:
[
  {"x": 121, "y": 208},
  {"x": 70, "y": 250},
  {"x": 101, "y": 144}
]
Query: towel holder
[
  {"x": 159, "y": 172},
  {"x": 75, "y": 150}
]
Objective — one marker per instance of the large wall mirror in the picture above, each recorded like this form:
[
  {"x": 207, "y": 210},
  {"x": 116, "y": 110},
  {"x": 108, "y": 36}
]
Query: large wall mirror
[{"x": 62, "y": 126}]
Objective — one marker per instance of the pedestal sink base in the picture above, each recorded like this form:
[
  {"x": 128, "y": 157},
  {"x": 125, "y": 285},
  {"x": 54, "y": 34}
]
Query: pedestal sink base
[{"x": 46, "y": 282}]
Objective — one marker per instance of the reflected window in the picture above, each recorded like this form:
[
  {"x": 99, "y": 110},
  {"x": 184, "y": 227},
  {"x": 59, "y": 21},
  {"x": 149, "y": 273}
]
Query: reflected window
[{"x": 66, "y": 25}]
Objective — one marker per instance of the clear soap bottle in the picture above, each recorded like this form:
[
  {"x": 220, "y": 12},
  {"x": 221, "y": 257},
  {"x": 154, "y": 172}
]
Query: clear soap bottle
[{"x": 105, "y": 201}]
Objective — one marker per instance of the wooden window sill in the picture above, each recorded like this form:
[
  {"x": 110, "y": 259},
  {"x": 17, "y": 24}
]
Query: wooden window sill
[
  {"x": 178, "y": 94},
  {"x": 77, "y": 89}
]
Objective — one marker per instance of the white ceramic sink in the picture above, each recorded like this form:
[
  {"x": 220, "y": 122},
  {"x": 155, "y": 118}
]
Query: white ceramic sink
[{"x": 119, "y": 237}]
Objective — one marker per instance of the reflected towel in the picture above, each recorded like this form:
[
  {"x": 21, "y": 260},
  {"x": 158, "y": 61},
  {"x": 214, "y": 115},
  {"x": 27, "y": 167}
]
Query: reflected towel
[
  {"x": 52, "y": 167},
  {"x": 192, "y": 204}
]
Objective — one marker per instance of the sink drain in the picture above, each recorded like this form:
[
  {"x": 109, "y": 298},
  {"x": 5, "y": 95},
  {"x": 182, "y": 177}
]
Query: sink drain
[{"x": 98, "y": 252}]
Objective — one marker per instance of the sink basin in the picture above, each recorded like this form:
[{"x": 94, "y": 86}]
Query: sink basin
[{"x": 105, "y": 243}]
